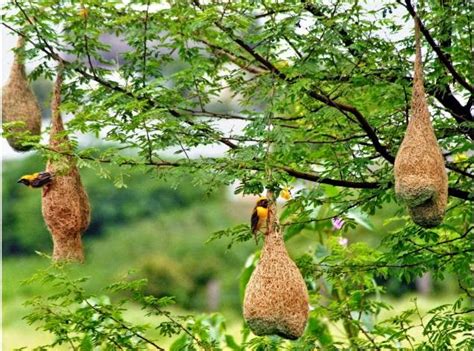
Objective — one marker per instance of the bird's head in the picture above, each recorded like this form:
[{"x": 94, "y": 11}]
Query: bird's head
[
  {"x": 262, "y": 202},
  {"x": 24, "y": 180}
]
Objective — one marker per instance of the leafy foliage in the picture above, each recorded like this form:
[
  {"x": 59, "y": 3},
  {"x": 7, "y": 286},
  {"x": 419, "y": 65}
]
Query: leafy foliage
[
  {"x": 87, "y": 321},
  {"x": 314, "y": 92}
]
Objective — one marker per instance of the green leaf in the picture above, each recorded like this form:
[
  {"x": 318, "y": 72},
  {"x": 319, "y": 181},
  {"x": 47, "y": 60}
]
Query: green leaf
[{"x": 361, "y": 219}]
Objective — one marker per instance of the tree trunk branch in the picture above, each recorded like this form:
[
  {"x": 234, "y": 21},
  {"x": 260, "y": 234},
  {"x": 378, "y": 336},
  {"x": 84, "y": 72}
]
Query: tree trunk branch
[{"x": 437, "y": 49}]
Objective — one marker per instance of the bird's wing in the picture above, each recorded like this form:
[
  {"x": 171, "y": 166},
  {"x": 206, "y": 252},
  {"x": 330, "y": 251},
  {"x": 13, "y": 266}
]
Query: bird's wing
[
  {"x": 45, "y": 174},
  {"x": 254, "y": 220},
  {"x": 42, "y": 179}
]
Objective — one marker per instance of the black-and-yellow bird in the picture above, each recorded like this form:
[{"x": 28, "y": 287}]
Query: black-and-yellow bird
[
  {"x": 37, "y": 180},
  {"x": 259, "y": 216}
]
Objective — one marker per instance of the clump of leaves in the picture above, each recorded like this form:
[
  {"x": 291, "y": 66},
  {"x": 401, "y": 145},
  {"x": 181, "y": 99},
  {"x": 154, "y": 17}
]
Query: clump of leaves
[
  {"x": 81, "y": 320},
  {"x": 86, "y": 321}
]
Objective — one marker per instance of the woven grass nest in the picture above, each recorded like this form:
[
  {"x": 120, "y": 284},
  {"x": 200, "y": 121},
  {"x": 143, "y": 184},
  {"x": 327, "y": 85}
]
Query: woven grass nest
[
  {"x": 65, "y": 206},
  {"x": 276, "y": 298},
  {"x": 421, "y": 181},
  {"x": 19, "y": 103}
]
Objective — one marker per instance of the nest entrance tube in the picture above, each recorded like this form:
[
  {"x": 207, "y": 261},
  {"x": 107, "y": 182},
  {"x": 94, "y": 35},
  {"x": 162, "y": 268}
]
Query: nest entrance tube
[
  {"x": 421, "y": 181},
  {"x": 276, "y": 298},
  {"x": 65, "y": 204},
  {"x": 19, "y": 103}
]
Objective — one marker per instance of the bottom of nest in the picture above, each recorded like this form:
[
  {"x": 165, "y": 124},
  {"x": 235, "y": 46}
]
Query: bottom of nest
[
  {"x": 415, "y": 191},
  {"x": 68, "y": 248},
  {"x": 425, "y": 202},
  {"x": 260, "y": 327},
  {"x": 427, "y": 215},
  {"x": 17, "y": 145}
]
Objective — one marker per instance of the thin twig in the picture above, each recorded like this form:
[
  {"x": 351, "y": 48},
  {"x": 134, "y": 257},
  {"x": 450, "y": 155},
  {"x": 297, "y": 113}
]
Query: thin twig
[{"x": 123, "y": 325}]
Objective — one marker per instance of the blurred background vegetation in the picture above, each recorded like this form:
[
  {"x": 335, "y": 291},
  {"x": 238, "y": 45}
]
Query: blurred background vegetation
[{"x": 160, "y": 232}]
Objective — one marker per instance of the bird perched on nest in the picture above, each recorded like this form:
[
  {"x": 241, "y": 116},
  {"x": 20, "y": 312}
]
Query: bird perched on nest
[
  {"x": 37, "y": 180},
  {"x": 259, "y": 215}
]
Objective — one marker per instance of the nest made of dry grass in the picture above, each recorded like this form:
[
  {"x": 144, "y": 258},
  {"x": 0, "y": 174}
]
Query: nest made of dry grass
[
  {"x": 276, "y": 298},
  {"x": 421, "y": 181},
  {"x": 65, "y": 206},
  {"x": 19, "y": 103}
]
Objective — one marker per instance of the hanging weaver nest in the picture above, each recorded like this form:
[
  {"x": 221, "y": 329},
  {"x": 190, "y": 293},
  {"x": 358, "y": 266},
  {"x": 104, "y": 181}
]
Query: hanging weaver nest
[
  {"x": 276, "y": 297},
  {"x": 420, "y": 176},
  {"x": 66, "y": 209},
  {"x": 19, "y": 103}
]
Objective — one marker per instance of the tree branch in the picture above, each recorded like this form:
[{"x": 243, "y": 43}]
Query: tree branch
[
  {"x": 46, "y": 48},
  {"x": 436, "y": 48},
  {"x": 320, "y": 97},
  {"x": 364, "y": 124},
  {"x": 238, "y": 60},
  {"x": 49, "y": 51},
  {"x": 336, "y": 182},
  {"x": 123, "y": 325},
  {"x": 346, "y": 39},
  {"x": 442, "y": 93}
]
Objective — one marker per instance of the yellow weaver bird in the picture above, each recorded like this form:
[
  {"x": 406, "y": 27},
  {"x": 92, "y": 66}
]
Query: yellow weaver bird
[
  {"x": 37, "y": 180},
  {"x": 259, "y": 216},
  {"x": 286, "y": 193}
]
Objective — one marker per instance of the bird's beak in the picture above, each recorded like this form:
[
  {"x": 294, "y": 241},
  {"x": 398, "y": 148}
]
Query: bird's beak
[{"x": 19, "y": 180}]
